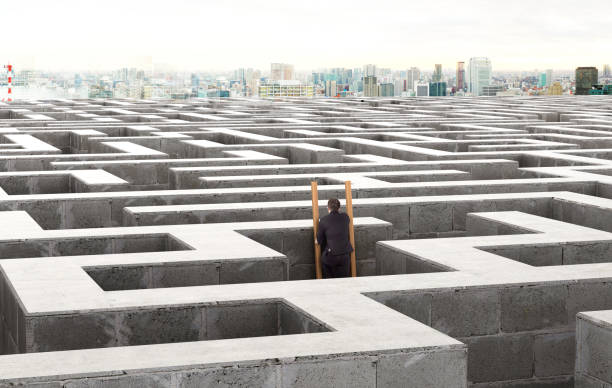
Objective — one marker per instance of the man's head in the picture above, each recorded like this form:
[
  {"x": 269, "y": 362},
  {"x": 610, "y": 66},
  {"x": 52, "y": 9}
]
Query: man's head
[{"x": 333, "y": 205}]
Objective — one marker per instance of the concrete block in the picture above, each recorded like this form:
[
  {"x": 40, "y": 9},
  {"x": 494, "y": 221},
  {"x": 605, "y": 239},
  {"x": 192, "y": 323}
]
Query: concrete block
[
  {"x": 265, "y": 376},
  {"x": 184, "y": 275},
  {"x": 533, "y": 307},
  {"x": 466, "y": 313},
  {"x": 499, "y": 357},
  {"x": 350, "y": 373},
  {"x": 423, "y": 370},
  {"x": 554, "y": 354},
  {"x": 431, "y": 218},
  {"x": 416, "y": 306},
  {"x": 239, "y": 321},
  {"x": 594, "y": 349},
  {"x": 253, "y": 271},
  {"x": 153, "y": 380},
  {"x": 588, "y": 296},
  {"x": 121, "y": 278},
  {"x": 52, "y": 333},
  {"x": 163, "y": 325}
]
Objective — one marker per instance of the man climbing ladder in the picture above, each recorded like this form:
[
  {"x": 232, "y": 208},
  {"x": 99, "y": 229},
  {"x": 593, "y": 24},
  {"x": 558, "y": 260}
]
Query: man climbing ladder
[{"x": 334, "y": 237}]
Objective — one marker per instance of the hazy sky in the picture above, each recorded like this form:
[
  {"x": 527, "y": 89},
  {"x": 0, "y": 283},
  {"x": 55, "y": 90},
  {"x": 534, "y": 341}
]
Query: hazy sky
[{"x": 217, "y": 35}]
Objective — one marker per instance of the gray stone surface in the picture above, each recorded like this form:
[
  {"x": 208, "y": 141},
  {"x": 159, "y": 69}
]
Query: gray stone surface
[{"x": 165, "y": 243}]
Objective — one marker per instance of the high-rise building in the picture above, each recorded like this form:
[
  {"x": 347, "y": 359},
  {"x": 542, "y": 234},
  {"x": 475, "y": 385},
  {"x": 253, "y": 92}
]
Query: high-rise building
[
  {"x": 240, "y": 75},
  {"x": 437, "y": 74},
  {"x": 195, "y": 84},
  {"x": 421, "y": 89},
  {"x": 437, "y": 89},
  {"x": 253, "y": 82},
  {"x": 285, "y": 88},
  {"x": 586, "y": 77},
  {"x": 606, "y": 71},
  {"x": 370, "y": 87},
  {"x": 479, "y": 75},
  {"x": 492, "y": 90},
  {"x": 398, "y": 85},
  {"x": 281, "y": 71},
  {"x": 369, "y": 70},
  {"x": 331, "y": 88},
  {"x": 555, "y": 89},
  {"x": 386, "y": 90},
  {"x": 460, "y": 76},
  {"x": 601, "y": 90},
  {"x": 542, "y": 80},
  {"x": 549, "y": 77},
  {"x": 413, "y": 75}
]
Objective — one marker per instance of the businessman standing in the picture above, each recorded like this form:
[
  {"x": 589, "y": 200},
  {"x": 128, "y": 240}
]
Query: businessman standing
[{"x": 333, "y": 237}]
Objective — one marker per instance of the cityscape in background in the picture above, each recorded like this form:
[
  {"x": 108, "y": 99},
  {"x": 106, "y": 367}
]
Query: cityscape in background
[{"x": 474, "y": 77}]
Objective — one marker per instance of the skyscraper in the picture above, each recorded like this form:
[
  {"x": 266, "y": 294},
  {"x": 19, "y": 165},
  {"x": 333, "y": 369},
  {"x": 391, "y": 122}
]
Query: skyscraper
[
  {"x": 370, "y": 87},
  {"x": 606, "y": 71},
  {"x": 460, "y": 76},
  {"x": 549, "y": 76},
  {"x": 413, "y": 75},
  {"x": 331, "y": 88},
  {"x": 369, "y": 70},
  {"x": 386, "y": 90},
  {"x": 421, "y": 89},
  {"x": 281, "y": 71},
  {"x": 437, "y": 75},
  {"x": 479, "y": 75},
  {"x": 555, "y": 89},
  {"x": 542, "y": 80},
  {"x": 586, "y": 77},
  {"x": 437, "y": 89},
  {"x": 285, "y": 88}
]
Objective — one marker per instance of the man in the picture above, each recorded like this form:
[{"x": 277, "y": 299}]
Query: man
[{"x": 333, "y": 237}]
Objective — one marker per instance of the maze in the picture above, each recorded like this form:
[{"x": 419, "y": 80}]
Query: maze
[{"x": 163, "y": 244}]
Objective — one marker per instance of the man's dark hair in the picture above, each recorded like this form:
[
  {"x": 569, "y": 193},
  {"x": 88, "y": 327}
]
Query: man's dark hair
[{"x": 333, "y": 204}]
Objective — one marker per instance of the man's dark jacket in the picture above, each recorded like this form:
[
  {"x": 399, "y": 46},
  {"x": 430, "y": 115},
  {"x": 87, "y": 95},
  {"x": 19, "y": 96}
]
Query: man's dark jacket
[{"x": 333, "y": 235}]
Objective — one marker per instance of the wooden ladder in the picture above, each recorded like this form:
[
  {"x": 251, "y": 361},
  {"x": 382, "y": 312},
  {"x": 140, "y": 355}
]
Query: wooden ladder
[{"x": 315, "y": 223}]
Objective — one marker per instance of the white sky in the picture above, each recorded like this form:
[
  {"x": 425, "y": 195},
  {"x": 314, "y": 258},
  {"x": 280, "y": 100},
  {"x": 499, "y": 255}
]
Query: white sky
[{"x": 224, "y": 35}]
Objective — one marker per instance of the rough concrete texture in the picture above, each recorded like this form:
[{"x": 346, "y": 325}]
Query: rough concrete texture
[{"x": 169, "y": 244}]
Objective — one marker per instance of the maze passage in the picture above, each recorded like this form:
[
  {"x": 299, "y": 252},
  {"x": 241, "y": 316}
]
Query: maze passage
[{"x": 163, "y": 244}]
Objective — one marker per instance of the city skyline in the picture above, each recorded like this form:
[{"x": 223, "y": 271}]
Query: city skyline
[{"x": 187, "y": 35}]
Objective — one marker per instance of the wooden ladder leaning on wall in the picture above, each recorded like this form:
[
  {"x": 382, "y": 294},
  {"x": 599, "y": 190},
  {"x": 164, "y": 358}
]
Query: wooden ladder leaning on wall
[{"x": 315, "y": 224}]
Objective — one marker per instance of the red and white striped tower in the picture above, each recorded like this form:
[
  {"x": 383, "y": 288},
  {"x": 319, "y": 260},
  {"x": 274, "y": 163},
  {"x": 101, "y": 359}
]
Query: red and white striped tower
[{"x": 10, "y": 75}]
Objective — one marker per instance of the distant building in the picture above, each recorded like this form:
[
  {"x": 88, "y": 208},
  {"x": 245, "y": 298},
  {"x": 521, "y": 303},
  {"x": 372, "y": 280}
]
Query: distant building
[
  {"x": 370, "y": 87},
  {"x": 195, "y": 84},
  {"x": 601, "y": 90},
  {"x": 460, "y": 76},
  {"x": 281, "y": 71},
  {"x": 586, "y": 77},
  {"x": 491, "y": 90},
  {"x": 369, "y": 70},
  {"x": 542, "y": 80},
  {"x": 421, "y": 89},
  {"x": 479, "y": 75},
  {"x": 285, "y": 88},
  {"x": 98, "y": 91},
  {"x": 437, "y": 89},
  {"x": 217, "y": 93},
  {"x": 549, "y": 77},
  {"x": 437, "y": 75},
  {"x": 331, "y": 88},
  {"x": 606, "y": 71},
  {"x": 555, "y": 89},
  {"x": 413, "y": 75},
  {"x": 386, "y": 90},
  {"x": 398, "y": 87}
]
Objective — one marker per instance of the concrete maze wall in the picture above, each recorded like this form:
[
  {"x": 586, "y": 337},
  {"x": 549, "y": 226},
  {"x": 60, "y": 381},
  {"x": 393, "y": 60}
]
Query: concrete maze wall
[{"x": 165, "y": 244}]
